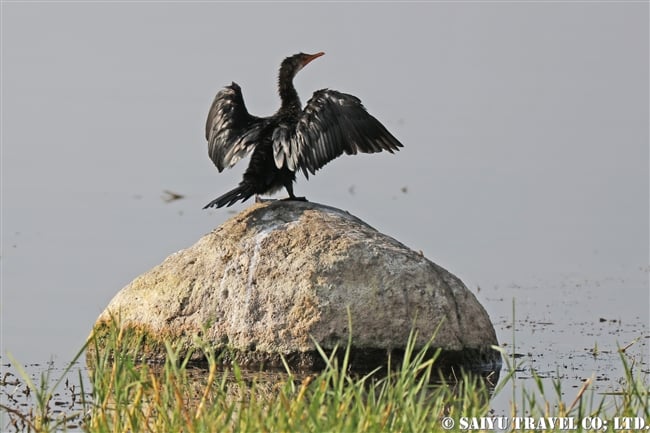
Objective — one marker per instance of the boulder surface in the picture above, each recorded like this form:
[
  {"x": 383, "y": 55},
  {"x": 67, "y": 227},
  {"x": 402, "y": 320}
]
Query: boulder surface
[{"x": 280, "y": 275}]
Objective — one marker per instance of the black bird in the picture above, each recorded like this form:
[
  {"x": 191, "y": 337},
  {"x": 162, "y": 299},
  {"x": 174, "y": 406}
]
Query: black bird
[{"x": 293, "y": 138}]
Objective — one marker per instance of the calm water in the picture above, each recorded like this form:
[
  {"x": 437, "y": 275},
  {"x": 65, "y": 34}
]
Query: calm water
[{"x": 524, "y": 172}]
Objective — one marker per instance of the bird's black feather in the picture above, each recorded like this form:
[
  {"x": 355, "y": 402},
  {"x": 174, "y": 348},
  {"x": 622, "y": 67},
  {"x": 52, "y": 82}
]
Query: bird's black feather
[
  {"x": 230, "y": 130},
  {"x": 334, "y": 123}
]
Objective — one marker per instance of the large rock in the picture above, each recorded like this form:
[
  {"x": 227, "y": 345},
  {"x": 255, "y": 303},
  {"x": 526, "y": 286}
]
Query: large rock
[{"x": 280, "y": 275}]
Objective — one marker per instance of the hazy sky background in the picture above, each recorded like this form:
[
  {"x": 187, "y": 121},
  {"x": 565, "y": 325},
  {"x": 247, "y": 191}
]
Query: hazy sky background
[{"x": 525, "y": 128}]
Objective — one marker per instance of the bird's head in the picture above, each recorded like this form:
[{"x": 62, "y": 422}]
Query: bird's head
[{"x": 291, "y": 65}]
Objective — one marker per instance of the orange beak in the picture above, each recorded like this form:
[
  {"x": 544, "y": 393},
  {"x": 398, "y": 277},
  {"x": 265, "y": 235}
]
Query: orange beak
[{"x": 311, "y": 57}]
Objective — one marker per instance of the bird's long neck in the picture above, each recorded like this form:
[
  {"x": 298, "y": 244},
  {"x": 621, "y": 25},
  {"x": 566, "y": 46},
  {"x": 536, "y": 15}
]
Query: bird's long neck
[{"x": 288, "y": 93}]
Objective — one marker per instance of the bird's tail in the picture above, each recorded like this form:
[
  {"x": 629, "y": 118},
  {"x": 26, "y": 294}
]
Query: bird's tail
[{"x": 243, "y": 192}]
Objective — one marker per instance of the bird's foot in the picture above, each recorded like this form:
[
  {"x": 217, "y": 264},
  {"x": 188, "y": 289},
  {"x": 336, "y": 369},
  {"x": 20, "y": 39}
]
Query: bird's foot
[{"x": 295, "y": 199}]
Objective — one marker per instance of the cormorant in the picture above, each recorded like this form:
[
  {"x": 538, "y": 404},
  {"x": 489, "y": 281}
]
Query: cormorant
[{"x": 293, "y": 138}]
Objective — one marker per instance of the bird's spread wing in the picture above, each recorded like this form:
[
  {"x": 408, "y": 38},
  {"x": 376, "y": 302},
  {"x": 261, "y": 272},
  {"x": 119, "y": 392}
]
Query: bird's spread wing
[
  {"x": 332, "y": 123},
  {"x": 230, "y": 130}
]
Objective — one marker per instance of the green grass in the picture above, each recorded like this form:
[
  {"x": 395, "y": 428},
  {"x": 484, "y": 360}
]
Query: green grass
[{"x": 128, "y": 396}]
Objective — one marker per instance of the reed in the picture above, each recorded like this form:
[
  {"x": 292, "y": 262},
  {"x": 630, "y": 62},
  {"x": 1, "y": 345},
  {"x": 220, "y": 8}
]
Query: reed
[{"x": 128, "y": 396}]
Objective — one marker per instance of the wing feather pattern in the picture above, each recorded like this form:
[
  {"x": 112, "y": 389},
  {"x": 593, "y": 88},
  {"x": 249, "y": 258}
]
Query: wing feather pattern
[
  {"x": 331, "y": 124},
  {"x": 230, "y": 130}
]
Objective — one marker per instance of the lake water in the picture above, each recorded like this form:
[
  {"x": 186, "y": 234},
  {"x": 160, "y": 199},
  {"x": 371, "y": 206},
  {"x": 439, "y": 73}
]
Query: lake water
[{"x": 524, "y": 172}]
